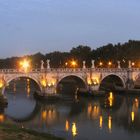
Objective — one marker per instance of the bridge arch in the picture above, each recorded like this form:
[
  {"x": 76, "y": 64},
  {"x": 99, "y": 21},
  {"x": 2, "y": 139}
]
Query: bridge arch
[
  {"x": 113, "y": 79},
  {"x": 79, "y": 80},
  {"x": 9, "y": 79},
  {"x": 73, "y": 75}
]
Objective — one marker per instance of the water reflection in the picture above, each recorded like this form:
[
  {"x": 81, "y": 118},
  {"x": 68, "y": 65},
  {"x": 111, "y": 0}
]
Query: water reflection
[
  {"x": 14, "y": 88},
  {"x": 44, "y": 115},
  {"x": 49, "y": 115},
  {"x": 93, "y": 111},
  {"x": 67, "y": 126},
  {"x": 2, "y": 118},
  {"x": 20, "y": 103},
  {"x": 110, "y": 123},
  {"x": 28, "y": 88},
  {"x": 101, "y": 122},
  {"x": 74, "y": 129},
  {"x": 135, "y": 107},
  {"x": 132, "y": 116},
  {"x": 110, "y": 99}
]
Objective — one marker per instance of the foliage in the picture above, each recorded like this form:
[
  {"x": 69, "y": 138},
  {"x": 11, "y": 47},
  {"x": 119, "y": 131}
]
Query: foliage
[{"x": 122, "y": 52}]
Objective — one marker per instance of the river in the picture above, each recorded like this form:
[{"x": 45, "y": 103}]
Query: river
[{"x": 111, "y": 117}]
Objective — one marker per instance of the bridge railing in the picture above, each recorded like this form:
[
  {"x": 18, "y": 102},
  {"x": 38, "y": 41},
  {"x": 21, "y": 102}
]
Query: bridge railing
[
  {"x": 8, "y": 70},
  {"x": 71, "y": 70}
]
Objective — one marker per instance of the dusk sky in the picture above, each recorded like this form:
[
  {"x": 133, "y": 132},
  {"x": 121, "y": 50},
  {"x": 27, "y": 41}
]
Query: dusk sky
[{"x": 31, "y": 26}]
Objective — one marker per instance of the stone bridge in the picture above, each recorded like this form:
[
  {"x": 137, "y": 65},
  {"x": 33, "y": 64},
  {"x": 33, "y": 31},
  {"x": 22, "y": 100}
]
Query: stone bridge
[{"x": 49, "y": 78}]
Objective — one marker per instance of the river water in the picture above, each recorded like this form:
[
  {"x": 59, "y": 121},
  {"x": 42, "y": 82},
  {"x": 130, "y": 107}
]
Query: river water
[{"x": 111, "y": 117}]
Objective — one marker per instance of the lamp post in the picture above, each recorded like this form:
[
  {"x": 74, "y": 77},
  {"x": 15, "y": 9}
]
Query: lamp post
[
  {"x": 101, "y": 64},
  {"x": 25, "y": 65},
  {"x": 133, "y": 64},
  {"x": 109, "y": 64},
  {"x": 73, "y": 63}
]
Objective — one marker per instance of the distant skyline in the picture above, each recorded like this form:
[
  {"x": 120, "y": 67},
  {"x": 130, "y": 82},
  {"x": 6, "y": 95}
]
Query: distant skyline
[{"x": 31, "y": 26}]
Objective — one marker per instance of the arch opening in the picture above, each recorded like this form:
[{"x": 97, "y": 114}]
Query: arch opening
[
  {"x": 19, "y": 93},
  {"x": 22, "y": 84},
  {"x": 69, "y": 84},
  {"x": 111, "y": 82}
]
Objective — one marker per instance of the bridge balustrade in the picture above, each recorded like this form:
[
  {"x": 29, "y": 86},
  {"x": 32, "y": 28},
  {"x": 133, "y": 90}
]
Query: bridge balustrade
[{"x": 69, "y": 70}]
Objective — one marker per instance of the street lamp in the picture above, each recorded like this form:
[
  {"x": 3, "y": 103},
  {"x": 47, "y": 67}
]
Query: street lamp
[
  {"x": 133, "y": 64},
  {"x": 73, "y": 63},
  {"x": 25, "y": 65},
  {"x": 109, "y": 63},
  {"x": 44, "y": 82},
  {"x": 1, "y": 84},
  {"x": 66, "y": 64},
  {"x": 101, "y": 64}
]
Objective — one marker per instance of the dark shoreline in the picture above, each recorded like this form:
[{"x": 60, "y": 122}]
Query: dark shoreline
[{"x": 13, "y": 132}]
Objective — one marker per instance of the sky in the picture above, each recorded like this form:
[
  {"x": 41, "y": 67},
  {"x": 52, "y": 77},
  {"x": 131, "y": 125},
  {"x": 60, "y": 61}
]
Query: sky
[{"x": 31, "y": 26}]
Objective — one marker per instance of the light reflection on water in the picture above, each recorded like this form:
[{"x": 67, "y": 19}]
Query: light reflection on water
[
  {"x": 111, "y": 117},
  {"x": 2, "y": 118}
]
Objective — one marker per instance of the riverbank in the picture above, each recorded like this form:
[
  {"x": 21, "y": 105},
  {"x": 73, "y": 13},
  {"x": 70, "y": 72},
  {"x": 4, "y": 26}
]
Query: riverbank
[{"x": 12, "y": 132}]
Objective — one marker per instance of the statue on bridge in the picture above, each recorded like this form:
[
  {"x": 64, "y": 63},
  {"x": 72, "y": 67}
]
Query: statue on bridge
[
  {"x": 42, "y": 65},
  {"x": 93, "y": 64},
  {"x": 119, "y": 65},
  {"x": 84, "y": 64},
  {"x": 130, "y": 65},
  {"x": 48, "y": 64}
]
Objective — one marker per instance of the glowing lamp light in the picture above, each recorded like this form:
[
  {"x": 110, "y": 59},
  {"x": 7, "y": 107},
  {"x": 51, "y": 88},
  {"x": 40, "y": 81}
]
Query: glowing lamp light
[
  {"x": 136, "y": 103},
  {"x": 132, "y": 116},
  {"x": 43, "y": 83},
  {"x": 111, "y": 95},
  {"x": 89, "y": 82},
  {"x": 73, "y": 63},
  {"x": 101, "y": 122},
  {"x": 74, "y": 129},
  {"x": 67, "y": 125},
  {"x": 95, "y": 80},
  {"x": 95, "y": 112},
  {"x": 1, "y": 84},
  {"x": 110, "y": 123},
  {"x": 28, "y": 80},
  {"x": 109, "y": 63},
  {"x": 101, "y": 63},
  {"x": 89, "y": 110},
  {"x": 49, "y": 84},
  {"x": 133, "y": 63},
  {"x": 136, "y": 100},
  {"x": 53, "y": 82},
  {"x": 2, "y": 118},
  {"x": 110, "y": 99},
  {"x": 44, "y": 115},
  {"x": 25, "y": 65}
]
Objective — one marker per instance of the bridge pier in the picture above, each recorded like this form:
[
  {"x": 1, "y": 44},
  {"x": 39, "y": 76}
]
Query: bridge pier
[
  {"x": 129, "y": 82},
  {"x": 48, "y": 90},
  {"x": 93, "y": 88}
]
